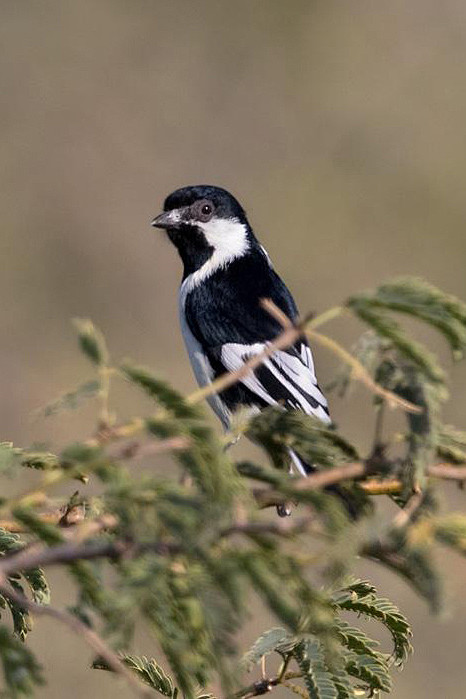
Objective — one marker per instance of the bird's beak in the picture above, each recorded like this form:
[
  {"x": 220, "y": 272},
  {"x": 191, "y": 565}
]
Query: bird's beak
[{"x": 167, "y": 219}]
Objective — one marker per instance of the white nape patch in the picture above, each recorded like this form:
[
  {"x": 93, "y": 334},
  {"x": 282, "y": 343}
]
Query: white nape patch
[{"x": 228, "y": 237}]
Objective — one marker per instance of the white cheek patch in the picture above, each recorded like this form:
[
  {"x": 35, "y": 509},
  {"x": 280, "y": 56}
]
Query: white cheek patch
[{"x": 228, "y": 238}]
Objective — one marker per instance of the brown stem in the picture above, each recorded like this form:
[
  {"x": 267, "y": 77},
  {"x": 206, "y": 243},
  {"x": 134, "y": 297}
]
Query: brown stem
[
  {"x": 447, "y": 472},
  {"x": 265, "y": 685},
  {"x": 268, "y": 496},
  {"x": 405, "y": 515},
  {"x": 39, "y": 556},
  {"x": 280, "y": 527}
]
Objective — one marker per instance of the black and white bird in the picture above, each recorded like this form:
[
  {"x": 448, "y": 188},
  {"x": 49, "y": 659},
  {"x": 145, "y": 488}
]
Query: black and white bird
[{"x": 226, "y": 274}]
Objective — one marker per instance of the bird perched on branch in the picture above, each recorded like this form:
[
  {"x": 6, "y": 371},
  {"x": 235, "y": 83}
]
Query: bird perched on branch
[{"x": 227, "y": 273}]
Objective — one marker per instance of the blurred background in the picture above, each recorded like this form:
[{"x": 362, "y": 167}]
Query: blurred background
[{"x": 339, "y": 125}]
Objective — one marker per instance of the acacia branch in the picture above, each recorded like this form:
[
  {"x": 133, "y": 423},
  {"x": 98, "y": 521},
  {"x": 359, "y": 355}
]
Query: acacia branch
[
  {"x": 57, "y": 517},
  {"x": 404, "y": 516},
  {"x": 316, "y": 481},
  {"x": 279, "y": 527},
  {"x": 447, "y": 472},
  {"x": 70, "y": 551},
  {"x": 266, "y": 497}
]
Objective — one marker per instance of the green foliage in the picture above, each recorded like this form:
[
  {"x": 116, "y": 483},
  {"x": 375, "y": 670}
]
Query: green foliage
[
  {"x": 448, "y": 529},
  {"x": 71, "y": 400},
  {"x": 385, "y": 326},
  {"x": 361, "y": 597},
  {"x": 272, "y": 640},
  {"x": 91, "y": 341},
  {"x": 161, "y": 391},
  {"x": 310, "y": 656},
  {"x": 186, "y": 553},
  {"x": 11, "y": 458},
  {"x": 451, "y": 444},
  {"x": 277, "y": 431},
  {"x": 33, "y": 578},
  {"x": 148, "y": 671},
  {"x": 204, "y": 457},
  {"x": 328, "y": 668},
  {"x": 21, "y": 672},
  {"x": 370, "y": 671},
  {"x": 451, "y": 531},
  {"x": 152, "y": 674},
  {"x": 367, "y": 350},
  {"x": 418, "y": 299}
]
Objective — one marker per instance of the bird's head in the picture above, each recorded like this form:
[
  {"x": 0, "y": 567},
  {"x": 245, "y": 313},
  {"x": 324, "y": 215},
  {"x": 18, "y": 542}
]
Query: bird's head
[{"x": 205, "y": 223}]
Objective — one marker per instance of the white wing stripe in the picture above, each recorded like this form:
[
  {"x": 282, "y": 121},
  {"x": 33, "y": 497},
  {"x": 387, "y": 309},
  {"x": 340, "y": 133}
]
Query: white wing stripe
[
  {"x": 232, "y": 359},
  {"x": 307, "y": 380},
  {"x": 281, "y": 376},
  {"x": 281, "y": 365}
]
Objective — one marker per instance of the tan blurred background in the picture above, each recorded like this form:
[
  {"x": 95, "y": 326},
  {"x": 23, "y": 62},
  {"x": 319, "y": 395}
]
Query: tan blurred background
[{"x": 339, "y": 125}]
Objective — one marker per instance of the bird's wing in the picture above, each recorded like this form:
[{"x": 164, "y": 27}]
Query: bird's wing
[
  {"x": 285, "y": 378},
  {"x": 231, "y": 326}
]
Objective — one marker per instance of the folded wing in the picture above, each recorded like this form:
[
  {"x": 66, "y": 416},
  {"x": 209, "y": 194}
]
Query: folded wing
[{"x": 285, "y": 378}]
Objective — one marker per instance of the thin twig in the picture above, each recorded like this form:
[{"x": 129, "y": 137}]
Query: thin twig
[
  {"x": 284, "y": 340},
  {"x": 268, "y": 496},
  {"x": 447, "y": 472},
  {"x": 280, "y": 527},
  {"x": 39, "y": 555},
  {"x": 265, "y": 497},
  {"x": 326, "y": 316},
  {"x": 361, "y": 374},
  {"x": 137, "y": 450},
  {"x": 383, "y": 487},
  {"x": 67, "y": 552},
  {"x": 92, "y": 639},
  {"x": 405, "y": 515},
  {"x": 307, "y": 326},
  {"x": 265, "y": 685}
]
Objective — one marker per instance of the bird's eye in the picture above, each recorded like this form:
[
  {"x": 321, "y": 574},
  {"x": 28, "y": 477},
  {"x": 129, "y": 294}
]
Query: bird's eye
[{"x": 204, "y": 210}]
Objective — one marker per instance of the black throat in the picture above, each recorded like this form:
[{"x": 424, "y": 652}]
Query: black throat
[{"x": 192, "y": 247}]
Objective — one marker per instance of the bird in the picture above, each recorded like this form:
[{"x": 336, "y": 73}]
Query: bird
[{"x": 226, "y": 274}]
